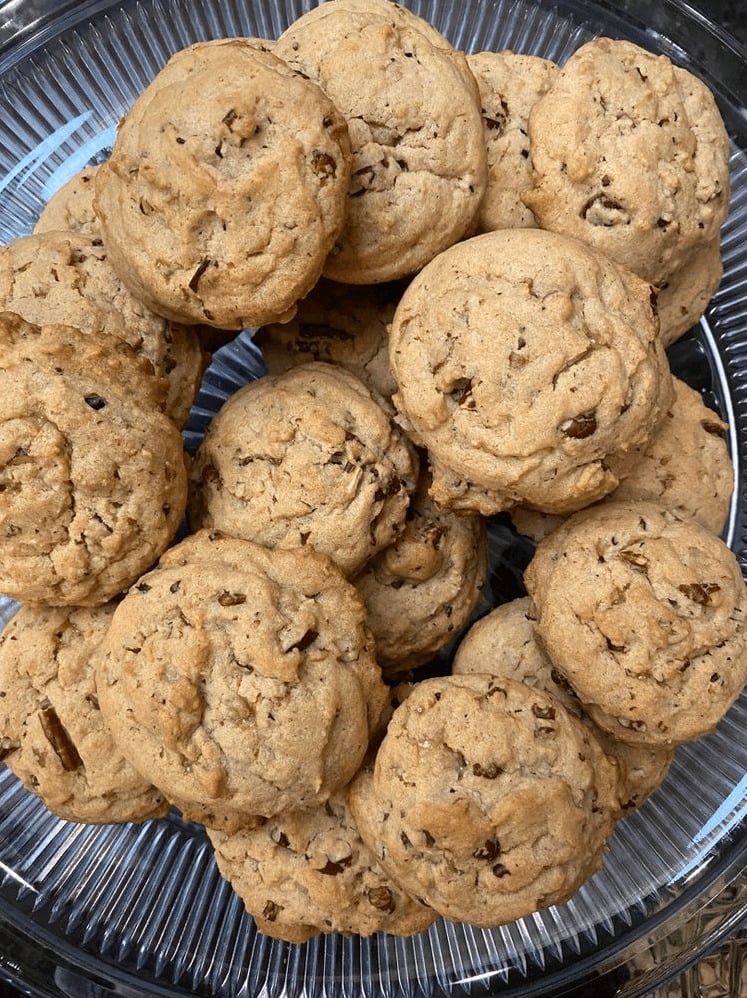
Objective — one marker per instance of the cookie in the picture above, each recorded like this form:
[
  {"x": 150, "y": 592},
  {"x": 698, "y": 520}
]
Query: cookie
[
  {"x": 643, "y": 612},
  {"x": 93, "y": 483},
  {"x": 685, "y": 467},
  {"x": 66, "y": 277},
  {"x": 220, "y": 203},
  {"x": 52, "y": 733},
  {"x": 488, "y": 799},
  {"x": 528, "y": 366},
  {"x": 338, "y": 324},
  {"x": 510, "y": 84},
  {"x": 305, "y": 457},
  {"x": 630, "y": 154},
  {"x": 241, "y": 681},
  {"x": 420, "y": 591},
  {"x": 503, "y": 643},
  {"x": 70, "y": 209},
  {"x": 683, "y": 298},
  {"x": 308, "y": 872},
  {"x": 413, "y": 111}
]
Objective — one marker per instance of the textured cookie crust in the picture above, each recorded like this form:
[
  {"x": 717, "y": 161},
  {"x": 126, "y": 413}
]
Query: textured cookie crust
[
  {"x": 503, "y": 643},
  {"x": 66, "y": 277},
  {"x": 643, "y": 612},
  {"x": 93, "y": 484},
  {"x": 338, "y": 324},
  {"x": 683, "y": 298},
  {"x": 510, "y": 85},
  {"x": 307, "y": 457},
  {"x": 489, "y": 799},
  {"x": 222, "y": 199},
  {"x": 630, "y": 154},
  {"x": 308, "y": 872},
  {"x": 52, "y": 734},
  {"x": 241, "y": 680},
  {"x": 413, "y": 112},
  {"x": 420, "y": 591},
  {"x": 70, "y": 209},
  {"x": 529, "y": 366}
]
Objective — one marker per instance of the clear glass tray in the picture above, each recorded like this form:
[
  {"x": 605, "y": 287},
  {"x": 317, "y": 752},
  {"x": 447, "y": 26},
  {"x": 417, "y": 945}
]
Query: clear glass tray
[{"x": 141, "y": 910}]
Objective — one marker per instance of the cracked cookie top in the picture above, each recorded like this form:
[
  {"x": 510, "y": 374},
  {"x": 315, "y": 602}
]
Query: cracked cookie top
[
  {"x": 305, "y": 457},
  {"x": 413, "y": 113},
  {"x": 643, "y": 612},
  {"x": 488, "y": 799},
  {"x": 241, "y": 681},
  {"x": 529, "y": 366},
  {"x": 226, "y": 187},
  {"x": 630, "y": 154}
]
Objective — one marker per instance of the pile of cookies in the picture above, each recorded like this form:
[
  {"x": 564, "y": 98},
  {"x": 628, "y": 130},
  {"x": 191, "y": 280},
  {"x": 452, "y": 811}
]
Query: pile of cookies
[{"x": 463, "y": 272}]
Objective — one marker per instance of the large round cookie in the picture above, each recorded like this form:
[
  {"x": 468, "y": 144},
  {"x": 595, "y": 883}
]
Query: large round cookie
[
  {"x": 643, "y": 612},
  {"x": 413, "y": 112},
  {"x": 631, "y": 155},
  {"x": 52, "y": 733},
  {"x": 226, "y": 187},
  {"x": 56, "y": 277},
  {"x": 488, "y": 799},
  {"x": 308, "y": 872},
  {"x": 529, "y": 366},
  {"x": 306, "y": 457},
  {"x": 93, "y": 482},
  {"x": 241, "y": 681}
]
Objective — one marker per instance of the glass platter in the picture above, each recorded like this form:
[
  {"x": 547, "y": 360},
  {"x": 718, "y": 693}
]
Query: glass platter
[{"x": 141, "y": 910}]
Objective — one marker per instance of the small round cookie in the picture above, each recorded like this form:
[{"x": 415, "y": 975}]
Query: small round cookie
[
  {"x": 420, "y": 591},
  {"x": 308, "y": 872},
  {"x": 529, "y": 366},
  {"x": 413, "y": 111},
  {"x": 503, "y": 643},
  {"x": 631, "y": 155},
  {"x": 305, "y": 457},
  {"x": 338, "y": 324},
  {"x": 70, "y": 209},
  {"x": 488, "y": 800},
  {"x": 510, "y": 84},
  {"x": 93, "y": 483},
  {"x": 241, "y": 680},
  {"x": 682, "y": 299},
  {"x": 65, "y": 276},
  {"x": 52, "y": 733},
  {"x": 220, "y": 202},
  {"x": 643, "y": 612}
]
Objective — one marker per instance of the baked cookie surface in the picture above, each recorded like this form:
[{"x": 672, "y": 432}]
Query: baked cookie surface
[
  {"x": 488, "y": 799},
  {"x": 52, "y": 733},
  {"x": 413, "y": 112},
  {"x": 306, "y": 457},
  {"x": 220, "y": 203},
  {"x": 683, "y": 298},
  {"x": 241, "y": 680},
  {"x": 70, "y": 209},
  {"x": 528, "y": 366},
  {"x": 643, "y": 613},
  {"x": 613, "y": 105}
]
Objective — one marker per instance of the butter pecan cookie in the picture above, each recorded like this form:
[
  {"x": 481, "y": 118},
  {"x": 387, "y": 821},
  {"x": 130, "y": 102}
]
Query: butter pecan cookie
[
  {"x": 683, "y": 298},
  {"x": 615, "y": 104},
  {"x": 66, "y": 277},
  {"x": 510, "y": 84},
  {"x": 643, "y": 612},
  {"x": 241, "y": 681},
  {"x": 226, "y": 187},
  {"x": 52, "y": 733},
  {"x": 488, "y": 799},
  {"x": 308, "y": 872},
  {"x": 413, "y": 112},
  {"x": 528, "y": 366},
  {"x": 70, "y": 209},
  {"x": 305, "y": 457},
  {"x": 93, "y": 481}
]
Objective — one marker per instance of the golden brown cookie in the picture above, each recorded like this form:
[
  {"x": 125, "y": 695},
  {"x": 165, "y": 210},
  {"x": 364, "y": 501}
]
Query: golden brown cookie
[
  {"x": 220, "y": 201},
  {"x": 70, "y": 209},
  {"x": 683, "y": 298}
]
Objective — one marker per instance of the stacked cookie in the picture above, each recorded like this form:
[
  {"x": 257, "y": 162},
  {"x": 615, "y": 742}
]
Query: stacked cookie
[{"x": 445, "y": 342}]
